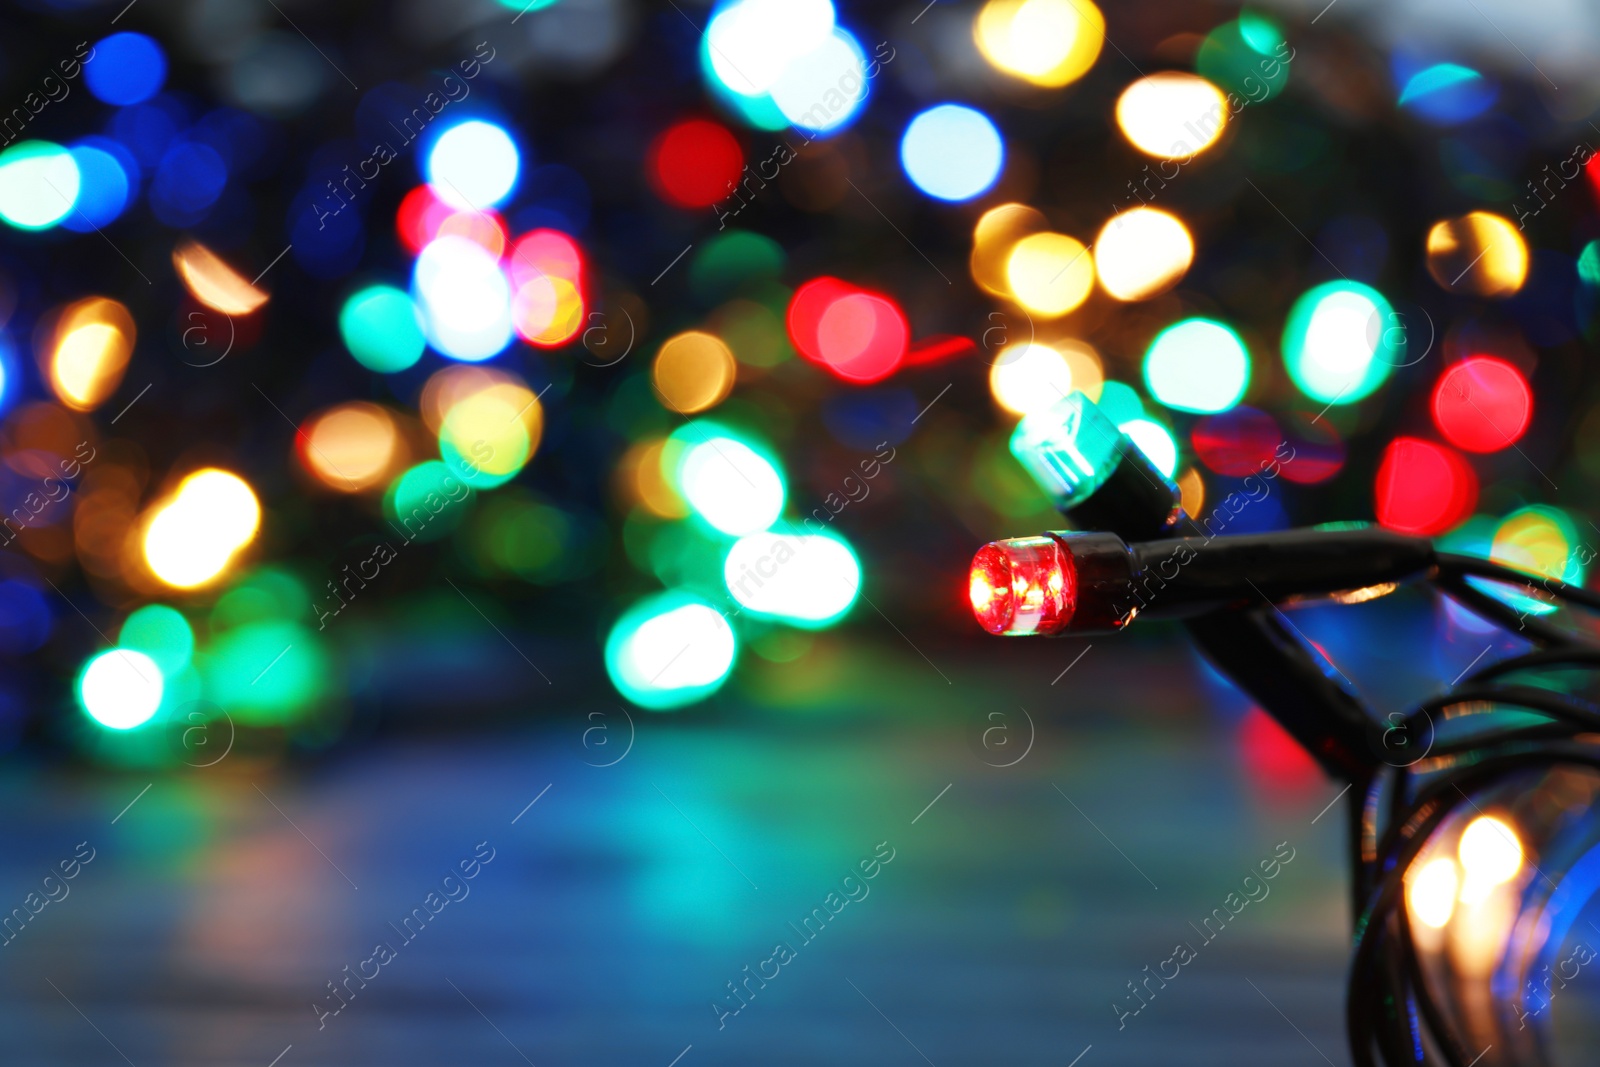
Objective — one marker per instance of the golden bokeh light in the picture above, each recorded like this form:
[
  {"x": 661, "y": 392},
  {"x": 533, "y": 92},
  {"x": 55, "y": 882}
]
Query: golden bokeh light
[
  {"x": 212, "y": 282},
  {"x": 491, "y": 430},
  {"x": 642, "y": 477},
  {"x": 88, "y": 351},
  {"x": 1478, "y": 254},
  {"x": 190, "y": 540},
  {"x": 1490, "y": 855},
  {"x": 1191, "y": 491},
  {"x": 1172, "y": 115},
  {"x": 993, "y": 238},
  {"x": 1048, "y": 43},
  {"x": 1050, "y": 273},
  {"x": 1030, "y": 377},
  {"x": 1431, "y": 892},
  {"x": 1088, "y": 372},
  {"x": 447, "y": 387},
  {"x": 1142, "y": 253},
  {"x": 547, "y": 310},
  {"x": 693, "y": 371},
  {"x": 351, "y": 447}
]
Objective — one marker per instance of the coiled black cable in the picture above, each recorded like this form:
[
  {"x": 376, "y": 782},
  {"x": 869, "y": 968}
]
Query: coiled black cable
[{"x": 1386, "y": 981}]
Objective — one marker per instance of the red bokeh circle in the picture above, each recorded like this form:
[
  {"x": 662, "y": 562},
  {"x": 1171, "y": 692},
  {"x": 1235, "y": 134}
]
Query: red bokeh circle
[
  {"x": 1482, "y": 404},
  {"x": 695, "y": 163},
  {"x": 1424, "y": 488}
]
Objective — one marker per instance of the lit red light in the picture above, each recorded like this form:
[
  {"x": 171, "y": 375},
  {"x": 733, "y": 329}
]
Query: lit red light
[
  {"x": 695, "y": 163},
  {"x": 1026, "y": 585},
  {"x": 547, "y": 304},
  {"x": 419, "y": 218},
  {"x": 1482, "y": 404},
  {"x": 1236, "y": 443},
  {"x": 858, "y": 335},
  {"x": 1424, "y": 488},
  {"x": 547, "y": 252}
]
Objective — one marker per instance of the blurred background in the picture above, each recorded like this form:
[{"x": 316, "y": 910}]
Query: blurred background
[{"x": 559, "y": 431}]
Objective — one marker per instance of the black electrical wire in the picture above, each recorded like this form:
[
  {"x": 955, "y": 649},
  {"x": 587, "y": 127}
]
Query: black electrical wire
[{"x": 1386, "y": 977}]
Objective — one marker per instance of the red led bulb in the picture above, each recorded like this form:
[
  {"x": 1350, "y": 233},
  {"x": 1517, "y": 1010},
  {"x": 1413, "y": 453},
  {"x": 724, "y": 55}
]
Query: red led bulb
[{"x": 1024, "y": 585}]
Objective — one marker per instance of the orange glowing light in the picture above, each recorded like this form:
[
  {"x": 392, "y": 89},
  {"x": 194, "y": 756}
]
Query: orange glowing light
[
  {"x": 351, "y": 447},
  {"x": 89, "y": 349},
  {"x": 212, "y": 282}
]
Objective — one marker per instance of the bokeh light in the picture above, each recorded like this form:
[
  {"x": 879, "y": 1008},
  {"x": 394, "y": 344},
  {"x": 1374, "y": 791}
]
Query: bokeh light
[
  {"x": 1050, "y": 273},
  {"x": 382, "y": 329},
  {"x": 121, "y": 689},
  {"x": 670, "y": 650},
  {"x": 473, "y": 165},
  {"x": 1048, "y": 43},
  {"x": 1423, "y": 488},
  {"x": 996, "y": 234},
  {"x": 1236, "y": 443},
  {"x": 731, "y": 486},
  {"x": 952, "y": 152},
  {"x": 857, "y": 335},
  {"x": 752, "y": 42},
  {"x": 1539, "y": 539},
  {"x": 1172, "y": 115},
  {"x": 162, "y": 633},
  {"x": 1142, "y": 253},
  {"x": 1431, "y": 892},
  {"x": 39, "y": 183},
  {"x": 808, "y": 580},
  {"x": 351, "y": 447},
  {"x": 90, "y": 345},
  {"x": 693, "y": 371},
  {"x": 190, "y": 541},
  {"x": 107, "y": 179},
  {"x": 1490, "y": 854},
  {"x": 1447, "y": 93},
  {"x": 266, "y": 671},
  {"x": 1482, "y": 404},
  {"x": 695, "y": 163},
  {"x": 824, "y": 89},
  {"x": 1030, "y": 377},
  {"x": 212, "y": 282},
  {"x": 1155, "y": 441},
  {"x": 128, "y": 68},
  {"x": 488, "y": 435},
  {"x": 1342, "y": 340},
  {"x": 547, "y": 305},
  {"x": 427, "y": 500},
  {"x": 465, "y": 299},
  {"x": 1197, "y": 365},
  {"x": 1478, "y": 254},
  {"x": 1245, "y": 57}
]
